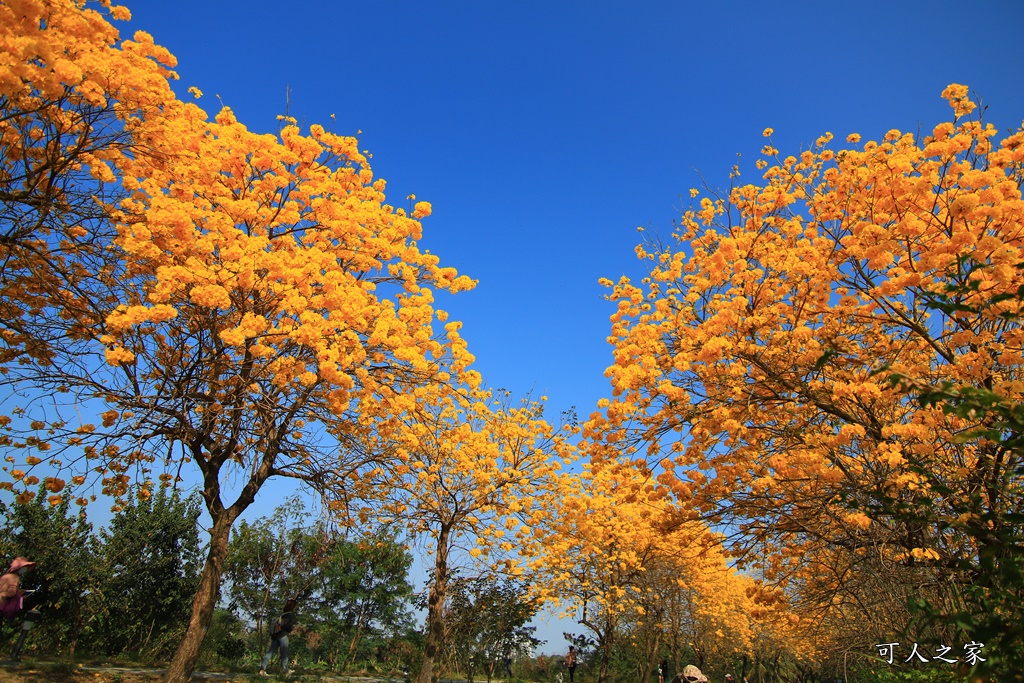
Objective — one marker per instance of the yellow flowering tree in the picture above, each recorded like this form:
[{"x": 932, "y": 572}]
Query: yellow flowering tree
[
  {"x": 752, "y": 367},
  {"x": 258, "y": 308},
  {"x": 71, "y": 95},
  {"x": 688, "y": 600},
  {"x": 464, "y": 477},
  {"x": 643, "y": 575},
  {"x": 606, "y": 528}
]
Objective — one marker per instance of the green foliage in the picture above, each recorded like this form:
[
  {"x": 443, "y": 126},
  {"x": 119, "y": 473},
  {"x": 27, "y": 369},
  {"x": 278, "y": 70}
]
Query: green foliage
[
  {"x": 486, "y": 621},
  {"x": 125, "y": 590},
  {"x": 226, "y": 644},
  {"x": 65, "y": 577},
  {"x": 151, "y": 555},
  {"x": 361, "y": 601},
  {"x": 269, "y": 561},
  {"x": 353, "y": 593},
  {"x": 932, "y": 674}
]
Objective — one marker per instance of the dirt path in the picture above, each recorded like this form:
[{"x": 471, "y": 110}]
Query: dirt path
[{"x": 56, "y": 673}]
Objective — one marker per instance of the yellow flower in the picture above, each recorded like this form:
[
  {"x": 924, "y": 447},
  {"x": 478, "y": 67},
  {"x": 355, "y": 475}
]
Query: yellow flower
[
  {"x": 421, "y": 210},
  {"x": 768, "y": 132}
]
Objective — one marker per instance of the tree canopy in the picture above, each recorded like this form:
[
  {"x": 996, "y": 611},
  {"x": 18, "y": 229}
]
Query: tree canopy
[
  {"x": 239, "y": 303},
  {"x": 752, "y": 367}
]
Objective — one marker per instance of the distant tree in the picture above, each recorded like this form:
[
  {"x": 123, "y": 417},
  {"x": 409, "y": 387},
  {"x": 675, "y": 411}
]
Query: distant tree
[
  {"x": 348, "y": 588},
  {"x": 265, "y": 562},
  {"x": 150, "y": 559},
  {"x": 465, "y": 478},
  {"x": 363, "y": 595},
  {"x": 487, "y": 620}
]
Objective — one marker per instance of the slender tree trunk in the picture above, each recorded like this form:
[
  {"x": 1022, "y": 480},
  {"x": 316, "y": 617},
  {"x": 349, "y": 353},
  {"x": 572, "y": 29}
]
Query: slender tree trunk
[
  {"x": 605, "y": 643},
  {"x": 435, "y": 608},
  {"x": 653, "y": 660},
  {"x": 184, "y": 661},
  {"x": 355, "y": 643}
]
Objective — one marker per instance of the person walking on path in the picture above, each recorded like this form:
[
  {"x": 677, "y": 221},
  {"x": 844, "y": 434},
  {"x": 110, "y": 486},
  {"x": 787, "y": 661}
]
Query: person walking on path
[
  {"x": 11, "y": 600},
  {"x": 279, "y": 638},
  {"x": 663, "y": 671},
  {"x": 506, "y": 658},
  {"x": 570, "y": 663}
]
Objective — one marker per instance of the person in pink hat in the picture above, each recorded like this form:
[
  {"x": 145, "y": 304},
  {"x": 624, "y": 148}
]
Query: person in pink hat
[{"x": 10, "y": 596}]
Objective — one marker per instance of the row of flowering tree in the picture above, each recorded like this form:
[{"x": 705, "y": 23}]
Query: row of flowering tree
[
  {"x": 769, "y": 371},
  {"x": 647, "y": 580},
  {"x": 182, "y": 294},
  {"x": 184, "y": 297}
]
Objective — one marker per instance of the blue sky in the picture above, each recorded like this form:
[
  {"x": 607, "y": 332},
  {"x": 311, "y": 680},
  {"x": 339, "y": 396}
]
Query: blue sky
[{"x": 545, "y": 133}]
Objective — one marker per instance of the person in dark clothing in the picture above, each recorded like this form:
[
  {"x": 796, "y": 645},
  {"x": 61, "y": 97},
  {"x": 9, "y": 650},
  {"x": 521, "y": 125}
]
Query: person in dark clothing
[
  {"x": 506, "y": 658},
  {"x": 279, "y": 638},
  {"x": 663, "y": 671},
  {"x": 570, "y": 663}
]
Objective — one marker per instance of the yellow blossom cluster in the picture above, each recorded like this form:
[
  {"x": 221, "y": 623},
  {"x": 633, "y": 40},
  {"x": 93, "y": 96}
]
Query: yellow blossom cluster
[{"x": 756, "y": 361}]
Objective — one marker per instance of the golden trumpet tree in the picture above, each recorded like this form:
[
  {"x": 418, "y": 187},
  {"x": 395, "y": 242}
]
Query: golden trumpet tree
[
  {"x": 71, "y": 94},
  {"x": 753, "y": 363},
  {"x": 641, "y": 577},
  {"x": 690, "y": 602},
  {"x": 254, "y": 306},
  {"x": 465, "y": 477},
  {"x": 608, "y": 527}
]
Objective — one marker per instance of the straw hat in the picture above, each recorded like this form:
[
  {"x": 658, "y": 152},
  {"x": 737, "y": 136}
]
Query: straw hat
[
  {"x": 692, "y": 674},
  {"x": 20, "y": 562}
]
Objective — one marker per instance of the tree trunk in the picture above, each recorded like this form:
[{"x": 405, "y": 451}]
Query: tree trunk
[
  {"x": 653, "y": 660},
  {"x": 355, "y": 642},
  {"x": 605, "y": 643},
  {"x": 184, "y": 661},
  {"x": 435, "y": 609}
]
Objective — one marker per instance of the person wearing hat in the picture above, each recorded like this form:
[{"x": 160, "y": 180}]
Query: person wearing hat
[
  {"x": 728, "y": 678},
  {"x": 692, "y": 674},
  {"x": 10, "y": 596}
]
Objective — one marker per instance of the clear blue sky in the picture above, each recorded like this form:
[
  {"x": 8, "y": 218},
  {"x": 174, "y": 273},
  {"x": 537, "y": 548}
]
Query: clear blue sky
[{"x": 545, "y": 133}]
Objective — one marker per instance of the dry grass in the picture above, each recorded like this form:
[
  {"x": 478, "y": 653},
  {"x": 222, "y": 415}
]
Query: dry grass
[{"x": 27, "y": 674}]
